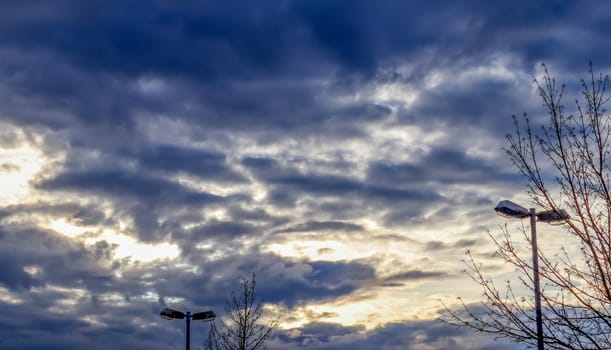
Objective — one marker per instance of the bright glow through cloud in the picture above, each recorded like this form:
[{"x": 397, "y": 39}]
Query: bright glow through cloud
[
  {"x": 126, "y": 246},
  {"x": 18, "y": 166}
]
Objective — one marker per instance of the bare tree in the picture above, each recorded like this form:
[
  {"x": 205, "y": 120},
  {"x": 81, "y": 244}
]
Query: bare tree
[
  {"x": 566, "y": 163},
  {"x": 242, "y": 327}
]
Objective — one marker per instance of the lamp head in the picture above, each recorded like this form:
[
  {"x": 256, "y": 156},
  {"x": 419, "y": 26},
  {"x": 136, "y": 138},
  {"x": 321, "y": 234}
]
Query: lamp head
[
  {"x": 553, "y": 217},
  {"x": 510, "y": 209},
  {"x": 170, "y": 314},
  {"x": 204, "y": 316}
]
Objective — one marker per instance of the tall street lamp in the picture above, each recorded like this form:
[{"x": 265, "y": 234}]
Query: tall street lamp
[
  {"x": 170, "y": 314},
  {"x": 512, "y": 210}
]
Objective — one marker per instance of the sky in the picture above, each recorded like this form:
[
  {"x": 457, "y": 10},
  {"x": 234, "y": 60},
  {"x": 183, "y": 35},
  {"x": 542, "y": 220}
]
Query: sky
[{"x": 153, "y": 153}]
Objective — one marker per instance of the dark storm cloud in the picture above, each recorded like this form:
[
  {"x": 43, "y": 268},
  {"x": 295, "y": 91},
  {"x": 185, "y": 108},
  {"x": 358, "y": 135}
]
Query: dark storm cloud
[
  {"x": 96, "y": 49},
  {"x": 314, "y": 334},
  {"x": 119, "y": 184},
  {"x": 75, "y": 212},
  {"x": 134, "y": 175},
  {"x": 143, "y": 197},
  {"x": 315, "y": 226},
  {"x": 323, "y": 281},
  {"x": 441, "y": 165},
  {"x": 256, "y": 215},
  {"x": 14, "y": 277},
  {"x": 287, "y": 191},
  {"x": 279, "y": 281},
  {"x": 214, "y": 39},
  {"x": 415, "y": 275},
  {"x": 532, "y": 29},
  {"x": 415, "y": 185},
  {"x": 261, "y": 164},
  {"x": 409, "y": 335},
  {"x": 205, "y": 164},
  {"x": 224, "y": 229},
  {"x": 226, "y": 68},
  {"x": 134, "y": 38},
  {"x": 287, "y": 181},
  {"x": 461, "y": 243},
  {"x": 37, "y": 327},
  {"x": 473, "y": 102},
  {"x": 69, "y": 266},
  {"x": 363, "y": 35},
  {"x": 56, "y": 260},
  {"x": 331, "y": 185}
]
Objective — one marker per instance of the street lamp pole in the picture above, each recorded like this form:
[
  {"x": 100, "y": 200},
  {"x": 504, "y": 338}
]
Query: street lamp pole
[
  {"x": 170, "y": 314},
  {"x": 509, "y": 209},
  {"x": 188, "y": 317},
  {"x": 535, "y": 253}
]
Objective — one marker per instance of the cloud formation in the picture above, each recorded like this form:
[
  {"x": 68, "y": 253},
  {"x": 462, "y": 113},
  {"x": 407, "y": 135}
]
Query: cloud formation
[{"x": 348, "y": 152}]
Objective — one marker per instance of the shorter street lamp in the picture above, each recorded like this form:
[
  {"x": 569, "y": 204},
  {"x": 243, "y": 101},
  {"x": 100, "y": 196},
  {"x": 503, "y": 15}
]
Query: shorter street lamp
[
  {"x": 510, "y": 209},
  {"x": 170, "y": 314}
]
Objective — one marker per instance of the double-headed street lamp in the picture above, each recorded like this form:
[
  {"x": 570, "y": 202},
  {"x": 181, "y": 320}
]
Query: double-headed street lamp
[
  {"x": 512, "y": 210},
  {"x": 170, "y": 314}
]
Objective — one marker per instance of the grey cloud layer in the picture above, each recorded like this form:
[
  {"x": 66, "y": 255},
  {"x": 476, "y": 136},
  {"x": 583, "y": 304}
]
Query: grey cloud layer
[
  {"x": 213, "y": 57},
  {"x": 224, "y": 127}
]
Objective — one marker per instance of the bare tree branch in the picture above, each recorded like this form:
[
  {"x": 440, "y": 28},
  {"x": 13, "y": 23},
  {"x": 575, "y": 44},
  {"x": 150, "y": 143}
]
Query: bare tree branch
[
  {"x": 242, "y": 326},
  {"x": 576, "y": 287}
]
